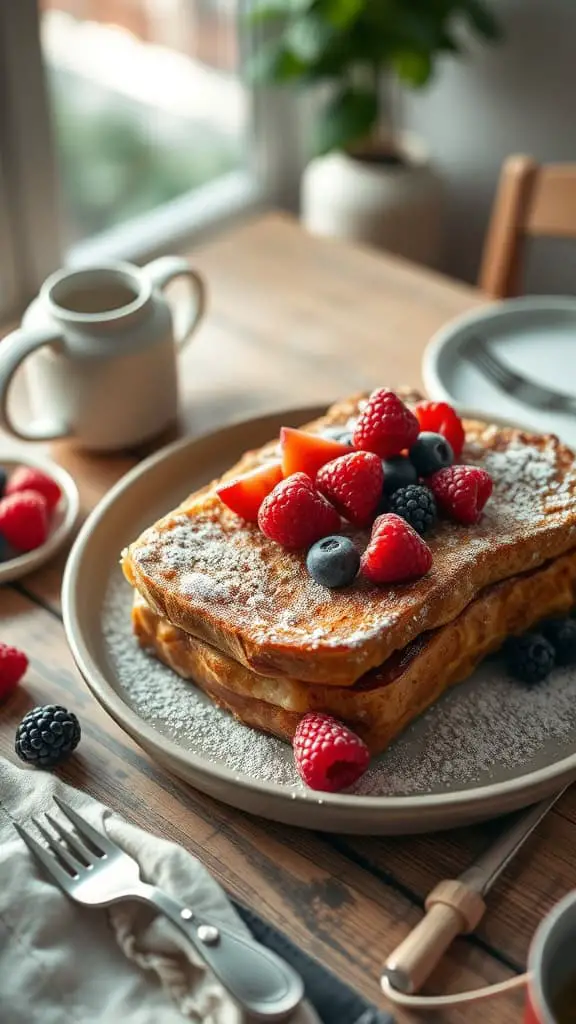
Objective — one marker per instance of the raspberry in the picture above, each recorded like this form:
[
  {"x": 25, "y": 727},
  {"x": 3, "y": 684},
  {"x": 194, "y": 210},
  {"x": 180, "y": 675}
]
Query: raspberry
[
  {"x": 395, "y": 553},
  {"x": 24, "y": 520},
  {"x": 26, "y": 478},
  {"x": 385, "y": 425},
  {"x": 13, "y": 664},
  {"x": 328, "y": 755},
  {"x": 461, "y": 492},
  {"x": 353, "y": 483},
  {"x": 441, "y": 418},
  {"x": 295, "y": 515}
]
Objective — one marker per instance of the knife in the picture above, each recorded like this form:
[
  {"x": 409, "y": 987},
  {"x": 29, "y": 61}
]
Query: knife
[{"x": 456, "y": 907}]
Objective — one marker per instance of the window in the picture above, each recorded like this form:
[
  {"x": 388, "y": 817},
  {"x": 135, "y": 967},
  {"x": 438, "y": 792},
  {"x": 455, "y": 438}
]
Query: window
[{"x": 134, "y": 131}]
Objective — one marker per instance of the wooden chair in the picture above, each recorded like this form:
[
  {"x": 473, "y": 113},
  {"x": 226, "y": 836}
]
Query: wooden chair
[{"x": 530, "y": 200}]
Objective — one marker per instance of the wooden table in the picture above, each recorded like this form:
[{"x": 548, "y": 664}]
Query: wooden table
[{"x": 293, "y": 321}]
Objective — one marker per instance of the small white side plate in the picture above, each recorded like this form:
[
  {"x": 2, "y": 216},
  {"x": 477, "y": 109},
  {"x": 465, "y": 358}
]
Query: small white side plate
[
  {"x": 535, "y": 335},
  {"x": 62, "y": 521}
]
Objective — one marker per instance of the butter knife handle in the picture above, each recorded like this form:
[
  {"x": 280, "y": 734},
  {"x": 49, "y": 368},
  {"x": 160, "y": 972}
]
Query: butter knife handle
[
  {"x": 452, "y": 909},
  {"x": 263, "y": 984}
]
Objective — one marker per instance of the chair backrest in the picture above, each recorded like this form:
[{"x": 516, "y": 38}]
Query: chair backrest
[{"x": 530, "y": 200}]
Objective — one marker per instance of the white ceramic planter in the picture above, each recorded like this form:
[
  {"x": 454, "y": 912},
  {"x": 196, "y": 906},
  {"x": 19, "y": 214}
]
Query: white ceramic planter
[{"x": 395, "y": 208}]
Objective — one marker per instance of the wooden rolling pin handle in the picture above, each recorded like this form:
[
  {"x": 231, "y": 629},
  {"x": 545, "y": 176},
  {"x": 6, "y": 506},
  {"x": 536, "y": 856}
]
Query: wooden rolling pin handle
[{"x": 451, "y": 909}]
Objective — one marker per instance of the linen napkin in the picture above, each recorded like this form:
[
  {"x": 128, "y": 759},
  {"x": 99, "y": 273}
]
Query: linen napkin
[{"x": 61, "y": 963}]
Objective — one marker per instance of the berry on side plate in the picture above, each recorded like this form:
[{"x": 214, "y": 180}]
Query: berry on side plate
[
  {"x": 307, "y": 453},
  {"x": 561, "y": 633},
  {"x": 47, "y": 735},
  {"x": 398, "y": 472},
  {"x": 396, "y": 553},
  {"x": 24, "y": 520},
  {"x": 529, "y": 658},
  {"x": 333, "y": 561},
  {"x": 328, "y": 755},
  {"x": 353, "y": 484},
  {"x": 441, "y": 418},
  {"x": 417, "y": 505},
  {"x": 461, "y": 492},
  {"x": 13, "y": 665},
  {"x": 26, "y": 478},
  {"x": 431, "y": 452},
  {"x": 296, "y": 515},
  {"x": 245, "y": 493},
  {"x": 385, "y": 426}
]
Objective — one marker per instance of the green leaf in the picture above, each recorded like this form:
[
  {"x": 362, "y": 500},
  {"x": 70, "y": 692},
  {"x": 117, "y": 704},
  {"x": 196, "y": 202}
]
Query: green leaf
[
  {"x": 270, "y": 10},
  {"x": 341, "y": 13},
  {"x": 274, "y": 64},
  {"x": 350, "y": 115},
  {"x": 481, "y": 18},
  {"x": 412, "y": 67},
  {"x": 308, "y": 37}
]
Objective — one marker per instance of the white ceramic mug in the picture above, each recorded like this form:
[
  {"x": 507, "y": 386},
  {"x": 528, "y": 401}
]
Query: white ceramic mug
[{"x": 101, "y": 354}]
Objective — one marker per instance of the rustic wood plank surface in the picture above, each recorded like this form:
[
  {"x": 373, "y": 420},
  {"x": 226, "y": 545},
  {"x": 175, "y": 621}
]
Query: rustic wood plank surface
[{"x": 295, "y": 321}]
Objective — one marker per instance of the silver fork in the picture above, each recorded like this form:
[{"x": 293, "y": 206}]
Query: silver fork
[
  {"x": 478, "y": 352},
  {"x": 94, "y": 871}
]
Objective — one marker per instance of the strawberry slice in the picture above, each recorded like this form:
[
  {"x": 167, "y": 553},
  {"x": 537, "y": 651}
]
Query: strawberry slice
[
  {"x": 307, "y": 453},
  {"x": 245, "y": 493}
]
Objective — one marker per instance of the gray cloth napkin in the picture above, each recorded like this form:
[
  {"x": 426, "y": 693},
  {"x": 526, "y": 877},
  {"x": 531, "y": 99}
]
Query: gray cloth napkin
[{"x": 64, "y": 964}]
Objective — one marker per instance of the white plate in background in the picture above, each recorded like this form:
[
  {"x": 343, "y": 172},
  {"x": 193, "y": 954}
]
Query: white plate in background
[{"x": 535, "y": 336}]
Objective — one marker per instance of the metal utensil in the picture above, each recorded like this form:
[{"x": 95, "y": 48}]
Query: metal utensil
[
  {"x": 478, "y": 352},
  {"x": 456, "y": 907},
  {"x": 94, "y": 871}
]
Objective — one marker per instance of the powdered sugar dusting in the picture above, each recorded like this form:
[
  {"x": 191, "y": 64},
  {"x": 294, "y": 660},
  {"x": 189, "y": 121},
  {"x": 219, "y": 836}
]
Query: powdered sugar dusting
[{"x": 487, "y": 729}]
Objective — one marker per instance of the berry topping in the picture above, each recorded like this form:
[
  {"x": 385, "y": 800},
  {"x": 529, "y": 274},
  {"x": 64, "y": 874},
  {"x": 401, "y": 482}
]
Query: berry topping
[
  {"x": 26, "y": 478},
  {"x": 307, "y": 453},
  {"x": 328, "y": 755},
  {"x": 13, "y": 664},
  {"x": 341, "y": 434},
  {"x": 396, "y": 553},
  {"x": 24, "y": 520},
  {"x": 385, "y": 425},
  {"x": 295, "y": 515},
  {"x": 353, "y": 484},
  {"x": 529, "y": 658},
  {"x": 442, "y": 419},
  {"x": 415, "y": 504},
  {"x": 245, "y": 494},
  {"x": 3, "y": 480},
  {"x": 431, "y": 452},
  {"x": 398, "y": 472},
  {"x": 47, "y": 735},
  {"x": 333, "y": 561},
  {"x": 461, "y": 492},
  {"x": 561, "y": 633}
]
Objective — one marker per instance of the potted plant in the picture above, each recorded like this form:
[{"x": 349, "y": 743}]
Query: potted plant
[{"x": 369, "y": 180}]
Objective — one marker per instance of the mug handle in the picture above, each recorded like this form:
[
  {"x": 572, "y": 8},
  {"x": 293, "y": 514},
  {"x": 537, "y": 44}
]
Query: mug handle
[
  {"x": 187, "y": 315},
  {"x": 14, "y": 349}
]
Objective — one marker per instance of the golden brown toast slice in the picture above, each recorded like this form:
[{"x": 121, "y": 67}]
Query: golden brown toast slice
[
  {"x": 221, "y": 580},
  {"x": 381, "y": 704}
]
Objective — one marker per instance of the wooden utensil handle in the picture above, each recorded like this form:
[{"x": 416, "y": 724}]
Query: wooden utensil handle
[{"x": 452, "y": 909}]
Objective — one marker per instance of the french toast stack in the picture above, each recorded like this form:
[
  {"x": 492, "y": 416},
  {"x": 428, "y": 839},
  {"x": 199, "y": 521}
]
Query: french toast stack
[{"x": 242, "y": 619}]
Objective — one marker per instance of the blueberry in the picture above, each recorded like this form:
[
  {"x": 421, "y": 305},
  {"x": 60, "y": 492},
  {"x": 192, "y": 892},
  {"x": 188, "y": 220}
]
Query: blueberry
[
  {"x": 431, "y": 452},
  {"x": 341, "y": 434},
  {"x": 417, "y": 505},
  {"x": 333, "y": 561},
  {"x": 529, "y": 658},
  {"x": 5, "y": 550},
  {"x": 3, "y": 481},
  {"x": 398, "y": 472},
  {"x": 561, "y": 633}
]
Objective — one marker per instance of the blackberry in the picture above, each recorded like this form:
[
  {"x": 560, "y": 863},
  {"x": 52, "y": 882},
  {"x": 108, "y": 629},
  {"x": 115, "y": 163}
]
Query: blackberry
[
  {"x": 416, "y": 504},
  {"x": 561, "y": 633},
  {"x": 47, "y": 735},
  {"x": 529, "y": 658}
]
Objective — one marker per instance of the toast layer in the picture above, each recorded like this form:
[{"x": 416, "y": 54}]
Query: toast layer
[
  {"x": 381, "y": 704},
  {"x": 219, "y": 579}
]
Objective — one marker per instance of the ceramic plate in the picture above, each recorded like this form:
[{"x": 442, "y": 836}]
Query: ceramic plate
[
  {"x": 61, "y": 524},
  {"x": 535, "y": 335},
  {"x": 487, "y": 747}
]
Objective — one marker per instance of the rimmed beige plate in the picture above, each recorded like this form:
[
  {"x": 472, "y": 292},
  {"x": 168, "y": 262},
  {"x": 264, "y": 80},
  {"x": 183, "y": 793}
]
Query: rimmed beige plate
[{"x": 154, "y": 487}]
